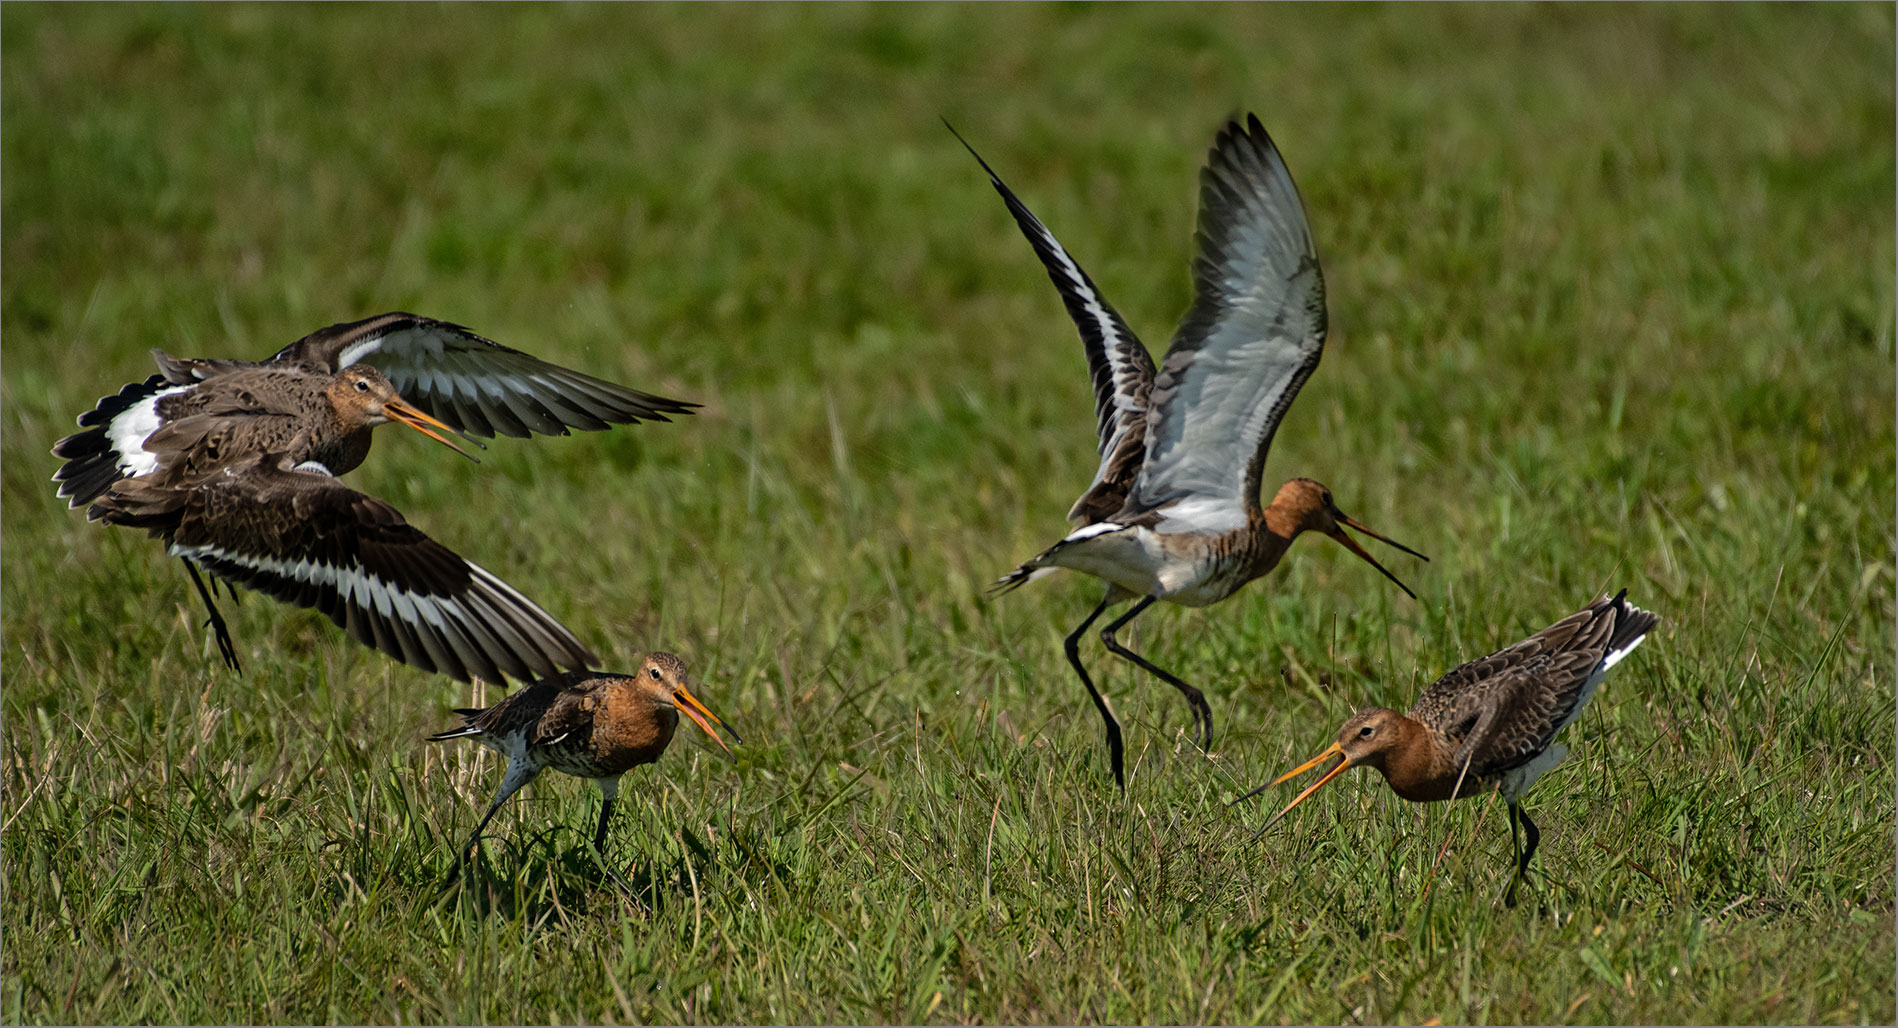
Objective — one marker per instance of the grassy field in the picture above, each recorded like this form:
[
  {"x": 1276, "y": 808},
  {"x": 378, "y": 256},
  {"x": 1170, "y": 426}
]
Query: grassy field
[{"x": 1612, "y": 304}]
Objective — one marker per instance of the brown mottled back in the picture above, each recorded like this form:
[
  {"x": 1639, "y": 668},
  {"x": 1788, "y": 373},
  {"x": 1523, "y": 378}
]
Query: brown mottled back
[{"x": 1533, "y": 686}]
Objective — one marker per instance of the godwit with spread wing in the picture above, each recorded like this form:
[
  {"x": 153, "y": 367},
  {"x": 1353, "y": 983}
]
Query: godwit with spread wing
[
  {"x": 1490, "y": 723},
  {"x": 265, "y": 521},
  {"x": 592, "y": 725},
  {"x": 471, "y": 384},
  {"x": 1173, "y": 512},
  {"x": 316, "y": 401}
]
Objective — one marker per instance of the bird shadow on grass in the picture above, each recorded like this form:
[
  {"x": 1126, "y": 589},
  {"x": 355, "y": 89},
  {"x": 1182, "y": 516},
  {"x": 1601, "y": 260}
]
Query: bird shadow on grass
[{"x": 555, "y": 874}]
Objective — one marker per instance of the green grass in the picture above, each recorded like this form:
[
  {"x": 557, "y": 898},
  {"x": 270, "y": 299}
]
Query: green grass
[{"x": 1612, "y": 304}]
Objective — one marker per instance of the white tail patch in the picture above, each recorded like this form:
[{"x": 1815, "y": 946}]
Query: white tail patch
[
  {"x": 133, "y": 426},
  {"x": 1614, "y": 656}
]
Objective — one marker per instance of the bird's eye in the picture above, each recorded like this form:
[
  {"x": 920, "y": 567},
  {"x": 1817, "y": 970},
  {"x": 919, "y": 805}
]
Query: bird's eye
[
  {"x": 1327, "y": 499},
  {"x": 1366, "y": 732},
  {"x": 362, "y": 385},
  {"x": 654, "y": 672}
]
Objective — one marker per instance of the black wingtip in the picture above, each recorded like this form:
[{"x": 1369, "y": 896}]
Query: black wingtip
[{"x": 993, "y": 177}]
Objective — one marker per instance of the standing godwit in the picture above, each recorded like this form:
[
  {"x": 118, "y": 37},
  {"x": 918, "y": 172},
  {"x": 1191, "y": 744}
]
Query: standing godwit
[
  {"x": 1490, "y": 723},
  {"x": 315, "y": 403},
  {"x": 592, "y": 725},
  {"x": 1173, "y": 512}
]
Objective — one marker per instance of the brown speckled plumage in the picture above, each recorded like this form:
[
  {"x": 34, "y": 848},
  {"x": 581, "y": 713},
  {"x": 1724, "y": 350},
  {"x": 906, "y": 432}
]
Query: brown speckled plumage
[
  {"x": 1490, "y": 723},
  {"x": 236, "y": 478},
  {"x": 592, "y": 725}
]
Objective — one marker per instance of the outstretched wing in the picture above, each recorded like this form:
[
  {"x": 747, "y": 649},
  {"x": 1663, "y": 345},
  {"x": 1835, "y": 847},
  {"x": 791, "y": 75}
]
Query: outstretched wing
[
  {"x": 1119, "y": 364},
  {"x": 308, "y": 540},
  {"x": 1253, "y": 335},
  {"x": 475, "y": 384}
]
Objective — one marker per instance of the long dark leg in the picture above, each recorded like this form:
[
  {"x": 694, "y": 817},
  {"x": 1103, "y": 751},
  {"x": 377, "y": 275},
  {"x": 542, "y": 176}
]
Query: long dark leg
[
  {"x": 606, "y": 814},
  {"x": 1522, "y": 863},
  {"x": 609, "y": 789},
  {"x": 1073, "y": 643},
  {"x": 224, "y": 644},
  {"x": 1202, "y": 714},
  {"x": 517, "y": 776}
]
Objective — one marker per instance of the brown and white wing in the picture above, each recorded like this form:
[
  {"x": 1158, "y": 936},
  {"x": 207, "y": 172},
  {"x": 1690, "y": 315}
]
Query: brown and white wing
[
  {"x": 1504, "y": 709},
  {"x": 308, "y": 540},
  {"x": 126, "y": 434},
  {"x": 475, "y": 384},
  {"x": 1253, "y": 335},
  {"x": 1118, "y": 363},
  {"x": 110, "y": 445}
]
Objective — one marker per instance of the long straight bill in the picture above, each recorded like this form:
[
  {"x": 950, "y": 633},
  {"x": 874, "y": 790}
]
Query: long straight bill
[
  {"x": 705, "y": 719},
  {"x": 1334, "y": 750},
  {"x": 1352, "y": 545},
  {"x": 415, "y": 419}
]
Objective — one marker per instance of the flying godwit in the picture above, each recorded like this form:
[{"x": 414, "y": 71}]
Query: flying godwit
[
  {"x": 587, "y": 724},
  {"x": 1173, "y": 512},
  {"x": 473, "y": 385},
  {"x": 1490, "y": 723},
  {"x": 315, "y": 403}
]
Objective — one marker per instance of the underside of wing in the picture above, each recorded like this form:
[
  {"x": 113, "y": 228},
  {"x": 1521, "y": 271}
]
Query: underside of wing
[
  {"x": 311, "y": 541},
  {"x": 1118, "y": 363},
  {"x": 474, "y": 384},
  {"x": 1253, "y": 335}
]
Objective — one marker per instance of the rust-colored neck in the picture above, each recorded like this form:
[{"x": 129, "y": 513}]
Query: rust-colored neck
[
  {"x": 344, "y": 443},
  {"x": 1417, "y": 765},
  {"x": 1267, "y": 540},
  {"x": 632, "y": 727}
]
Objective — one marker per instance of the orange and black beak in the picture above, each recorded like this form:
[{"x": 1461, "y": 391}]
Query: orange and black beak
[
  {"x": 398, "y": 410},
  {"x": 1352, "y": 545},
  {"x": 1334, "y": 750},
  {"x": 705, "y": 719}
]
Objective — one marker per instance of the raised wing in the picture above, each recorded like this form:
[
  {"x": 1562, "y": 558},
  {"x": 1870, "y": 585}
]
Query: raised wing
[
  {"x": 1119, "y": 364},
  {"x": 474, "y": 384},
  {"x": 1253, "y": 335},
  {"x": 308, "y": 540},
  {"x": 1507, "y": 707}
]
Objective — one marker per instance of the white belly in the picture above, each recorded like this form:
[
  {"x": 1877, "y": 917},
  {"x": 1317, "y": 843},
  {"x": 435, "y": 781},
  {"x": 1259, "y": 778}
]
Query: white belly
[{"x": 1140, "y": 561}]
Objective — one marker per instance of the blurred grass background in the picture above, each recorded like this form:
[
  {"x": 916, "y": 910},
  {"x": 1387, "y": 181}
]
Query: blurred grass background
[{"x": 1612, "y": 304}]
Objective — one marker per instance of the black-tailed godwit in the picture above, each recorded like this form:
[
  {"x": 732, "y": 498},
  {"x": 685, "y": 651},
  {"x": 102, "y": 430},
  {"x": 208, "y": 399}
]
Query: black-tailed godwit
[
  {"x": 471, "y": 384},
  {"x": 592, "y": 725},
  {"x": 1173, "y": 512},
  {"x": 1490, "y": 723},
  {"x": 315, "y": 403}
]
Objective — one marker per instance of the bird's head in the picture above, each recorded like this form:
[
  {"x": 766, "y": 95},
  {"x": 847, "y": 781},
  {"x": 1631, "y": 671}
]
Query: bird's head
[
  {"x": 663, "y": 681},
  {"x": 1370, "y": 735},
  {"x": 364, "y": 397},
  {"x": 1310, "y": 508}
]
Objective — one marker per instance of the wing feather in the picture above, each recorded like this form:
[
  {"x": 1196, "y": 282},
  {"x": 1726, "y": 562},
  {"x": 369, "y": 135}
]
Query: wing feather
[
  {"x": 473, "y": 383},
  {"x": 1119, "y": 364},
  {"x": 1516, "y": 699},
  {"x": 1254, "y": 333},
  {"x": 309, "y": 540}
]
